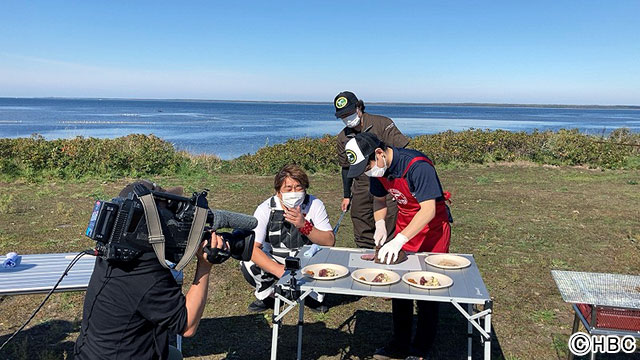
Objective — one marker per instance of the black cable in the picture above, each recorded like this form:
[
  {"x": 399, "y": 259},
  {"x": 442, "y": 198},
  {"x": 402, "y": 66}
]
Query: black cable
[{"x": 73, "y": 262}]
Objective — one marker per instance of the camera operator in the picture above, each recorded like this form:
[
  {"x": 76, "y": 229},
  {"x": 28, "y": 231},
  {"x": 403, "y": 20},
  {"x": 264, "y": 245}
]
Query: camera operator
[
  {"x": 286, "y": 221},
  {"x": 132, "y": 308}
]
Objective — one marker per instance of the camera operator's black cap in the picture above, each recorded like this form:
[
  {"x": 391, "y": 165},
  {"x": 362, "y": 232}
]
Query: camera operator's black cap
[
  {"x": 178, "y": 190},
  {"x": 358, "y": 151},
  {"x": 345, "y": 103}
]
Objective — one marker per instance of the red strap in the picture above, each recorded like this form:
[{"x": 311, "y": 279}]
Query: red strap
[
  {"x": 446, "y": 195},
  {"x": 413, "y": 161}
]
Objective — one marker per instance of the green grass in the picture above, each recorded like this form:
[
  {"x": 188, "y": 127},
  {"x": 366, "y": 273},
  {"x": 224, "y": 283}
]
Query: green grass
[{"x": 516, "y": 222}]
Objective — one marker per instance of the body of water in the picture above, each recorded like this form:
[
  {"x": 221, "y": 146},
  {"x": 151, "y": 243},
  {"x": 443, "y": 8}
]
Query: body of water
[{"x": 230, "y": 129}]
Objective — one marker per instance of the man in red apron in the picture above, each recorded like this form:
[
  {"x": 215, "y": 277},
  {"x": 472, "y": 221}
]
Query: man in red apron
[{"x": 423, "y": 224}]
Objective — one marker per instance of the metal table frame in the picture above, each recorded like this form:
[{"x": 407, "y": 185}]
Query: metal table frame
[{"x": 468, "y": 289}]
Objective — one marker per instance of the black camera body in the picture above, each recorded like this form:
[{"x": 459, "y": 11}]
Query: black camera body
[
  {"x": 120, "y": 230},
  {"x": 292, "y": 291},
  {"x": 292, "y": 263}
]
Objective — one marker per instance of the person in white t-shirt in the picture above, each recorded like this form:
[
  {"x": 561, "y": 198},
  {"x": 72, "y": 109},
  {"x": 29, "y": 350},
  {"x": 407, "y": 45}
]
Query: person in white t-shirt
[{"x": 287, "y": 221}]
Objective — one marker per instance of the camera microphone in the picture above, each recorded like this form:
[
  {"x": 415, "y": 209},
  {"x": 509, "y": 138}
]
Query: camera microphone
[{"x": 228, "y": 219}]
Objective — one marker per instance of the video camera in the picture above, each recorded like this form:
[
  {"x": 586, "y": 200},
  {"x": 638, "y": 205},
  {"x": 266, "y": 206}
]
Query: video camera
[{"x": 142, "y": 219}]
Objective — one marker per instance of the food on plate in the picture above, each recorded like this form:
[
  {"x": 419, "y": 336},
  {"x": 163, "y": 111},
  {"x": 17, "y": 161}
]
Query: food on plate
[
  {"x": 327, "y": 273},
  {"x": 430, "y": 281},
  {"x": 381, "y": 277},
  {"x": 412, "y": 280},
  {"x": 309, "y": 272},
  {"x": 447, "y": 262},
  {"x": 402, "y": 256},
  {"x": 367, "y": 257},
  {"x": 362, "y": 278}
]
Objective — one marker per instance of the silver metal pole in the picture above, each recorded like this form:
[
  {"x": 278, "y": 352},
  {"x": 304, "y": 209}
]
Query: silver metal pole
[
  {"x": 274, "y": 334},
  {"x": 335, "y": 229},
  {"x": 487, "y": 343},
  {"x": 574, "y": 329},
  {"x": 300, "y": 323},
  {"x": 469, "y": 331}
]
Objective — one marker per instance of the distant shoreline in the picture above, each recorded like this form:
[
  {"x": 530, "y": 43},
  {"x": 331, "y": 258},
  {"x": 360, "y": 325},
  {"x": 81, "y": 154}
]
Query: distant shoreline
[{"x": 464, "y": 104}]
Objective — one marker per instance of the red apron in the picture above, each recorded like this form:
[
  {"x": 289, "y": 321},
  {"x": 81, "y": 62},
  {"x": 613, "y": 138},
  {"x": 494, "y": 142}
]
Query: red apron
[{"x": 435, "y": 236}]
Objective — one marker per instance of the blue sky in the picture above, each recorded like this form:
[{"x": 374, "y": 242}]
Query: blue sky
[{"x": 562, "y": 52}]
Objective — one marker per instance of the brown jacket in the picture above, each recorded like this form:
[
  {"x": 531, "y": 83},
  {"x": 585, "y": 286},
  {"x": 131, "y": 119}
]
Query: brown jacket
[{"x": 381, "y": 126}]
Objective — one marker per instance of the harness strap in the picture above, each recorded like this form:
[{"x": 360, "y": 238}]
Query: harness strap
[
  {"x": 280, "y": 233},
  {"x": 195, "y": 237},
  {"x": 156, "y": 237},
  {"x": 272, "y": 203}
]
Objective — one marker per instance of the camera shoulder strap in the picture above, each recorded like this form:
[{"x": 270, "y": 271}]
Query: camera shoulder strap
[
  {"x": 195, "y": 237},
  {"x": 156, "y": 237}
]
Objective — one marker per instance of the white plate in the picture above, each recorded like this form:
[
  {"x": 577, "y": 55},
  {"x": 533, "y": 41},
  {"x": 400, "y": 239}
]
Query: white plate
[
  {"x": 444, "y": 280},
  {"x": 435, "y": 260},
  {"x": 340, "y": 270},
  {"x": 370, "y": 274}
]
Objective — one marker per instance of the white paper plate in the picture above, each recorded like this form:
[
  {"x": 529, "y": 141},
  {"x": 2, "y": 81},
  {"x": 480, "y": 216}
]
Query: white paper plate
[
  {"x": 370, "y": 274},
  {"x": 444, "y": 280},
  {"x": 436, "y": 260},
  {"x": 340, "y": 270}
]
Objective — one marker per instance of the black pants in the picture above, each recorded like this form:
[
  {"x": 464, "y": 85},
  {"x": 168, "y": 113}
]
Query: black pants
[{"x": 403, "y": 324}]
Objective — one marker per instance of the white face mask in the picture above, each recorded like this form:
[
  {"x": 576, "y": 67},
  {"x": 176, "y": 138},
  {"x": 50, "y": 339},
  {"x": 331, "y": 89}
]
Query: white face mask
[
  {"x": 293, "y": 199},
  {"x": 352, "y": 120},
  {"x": 377, "y": 171}
]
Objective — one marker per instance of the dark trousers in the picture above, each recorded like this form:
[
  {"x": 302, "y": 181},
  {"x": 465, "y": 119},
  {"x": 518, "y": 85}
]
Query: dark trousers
[
  {"x": 403, "y": 324},
  {"x": 362, "y": 214}
]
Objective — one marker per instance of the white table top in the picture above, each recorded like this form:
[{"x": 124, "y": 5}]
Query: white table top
[
  {"x": 38, "y": 273},
  {"x": 468, "y": 286}
]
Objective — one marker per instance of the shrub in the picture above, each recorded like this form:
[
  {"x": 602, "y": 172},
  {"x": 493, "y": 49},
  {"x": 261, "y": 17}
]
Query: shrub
[
  {"x": 314, "y": 155},
  {"x": 132, "y": 155},
  {"x": 141, "y": 155}
]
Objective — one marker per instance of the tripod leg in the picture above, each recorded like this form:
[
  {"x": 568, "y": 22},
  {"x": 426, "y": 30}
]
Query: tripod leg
[
  {"x": 274, "y": 334},
  {"x": 300, "y": 324}
]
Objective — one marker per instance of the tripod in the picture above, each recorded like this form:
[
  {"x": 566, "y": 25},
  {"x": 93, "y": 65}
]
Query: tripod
[{"x": 291, "y": 295}]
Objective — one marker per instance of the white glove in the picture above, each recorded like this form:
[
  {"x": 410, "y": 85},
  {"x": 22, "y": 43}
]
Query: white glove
[
  {"x": 380, "y": 236},
  {"x": 389, "y": 252}
]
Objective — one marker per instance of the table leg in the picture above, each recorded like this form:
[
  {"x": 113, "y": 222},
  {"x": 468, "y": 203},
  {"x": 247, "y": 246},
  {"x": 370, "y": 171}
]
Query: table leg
[
  {"x": 487, "y": 343},
  {"x": 574, "y": 329},
  {"x": 274, "y": 334},
  {"x": 469, "y": 332},
  {"x": 300, "y": 323}
]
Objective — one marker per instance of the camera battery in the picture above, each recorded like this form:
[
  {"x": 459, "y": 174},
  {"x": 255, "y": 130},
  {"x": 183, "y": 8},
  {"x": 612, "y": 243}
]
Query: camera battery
[{"x": 101, "y": 221}]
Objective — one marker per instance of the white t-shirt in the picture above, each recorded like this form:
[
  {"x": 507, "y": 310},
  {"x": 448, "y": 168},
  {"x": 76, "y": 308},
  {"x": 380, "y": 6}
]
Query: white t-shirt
[{"x": 314, "y": 211}]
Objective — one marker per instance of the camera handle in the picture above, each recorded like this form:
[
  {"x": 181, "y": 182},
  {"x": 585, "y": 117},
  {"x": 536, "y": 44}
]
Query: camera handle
[{"x": 215, "y": 255}]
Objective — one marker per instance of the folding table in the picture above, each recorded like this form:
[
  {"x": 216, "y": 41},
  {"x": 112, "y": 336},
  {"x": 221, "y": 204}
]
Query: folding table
[
  {"x": 468, "y": 289},
  {"x": 38, "y": 273},
  {"x": 606, "y": 304}
]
